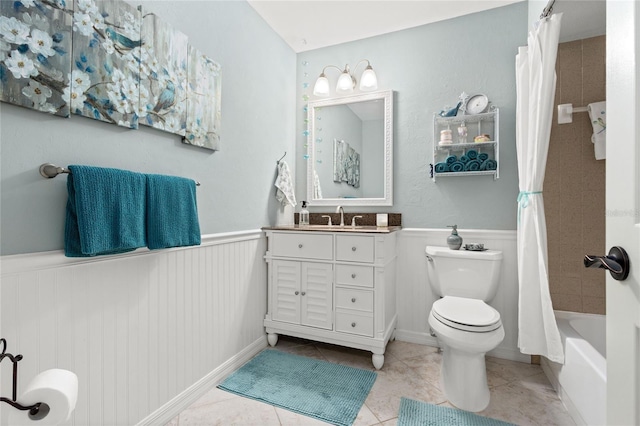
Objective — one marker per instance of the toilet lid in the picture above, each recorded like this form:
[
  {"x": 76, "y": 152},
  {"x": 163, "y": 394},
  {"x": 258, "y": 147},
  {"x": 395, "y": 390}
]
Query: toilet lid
[{"x": 466, "y": 314}]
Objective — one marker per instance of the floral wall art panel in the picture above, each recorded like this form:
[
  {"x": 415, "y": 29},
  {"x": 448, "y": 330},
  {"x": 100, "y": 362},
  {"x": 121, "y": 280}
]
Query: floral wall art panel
[
  {"x": 35, "y": 54},
  {"x": 203, "y": 101},
  {"x": 105, "y": 76},
  {"x": 163, "y": 76}
]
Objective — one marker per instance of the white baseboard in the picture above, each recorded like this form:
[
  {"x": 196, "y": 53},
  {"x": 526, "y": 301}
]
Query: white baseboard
[
  {"x": 190, "y": 395},
  {"x": 427, "y": 339},
  {"x": 416, "y": 337}
]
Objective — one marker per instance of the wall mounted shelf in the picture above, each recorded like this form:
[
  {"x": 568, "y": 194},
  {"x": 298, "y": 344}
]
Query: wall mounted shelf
[{"x": 479, "y": 124}]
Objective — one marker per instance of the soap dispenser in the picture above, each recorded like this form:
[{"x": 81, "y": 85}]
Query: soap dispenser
[
  {"x": 454, "y": 241},
  {"x": 304, "y": 215}
]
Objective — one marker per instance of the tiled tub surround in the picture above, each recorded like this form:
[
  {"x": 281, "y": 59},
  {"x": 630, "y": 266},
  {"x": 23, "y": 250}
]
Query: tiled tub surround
[{"x": 574, "y": 186}]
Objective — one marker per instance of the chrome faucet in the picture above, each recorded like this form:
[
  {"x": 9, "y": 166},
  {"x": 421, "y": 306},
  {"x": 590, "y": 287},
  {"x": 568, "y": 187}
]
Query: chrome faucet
[{"x": 340, "y": 210}]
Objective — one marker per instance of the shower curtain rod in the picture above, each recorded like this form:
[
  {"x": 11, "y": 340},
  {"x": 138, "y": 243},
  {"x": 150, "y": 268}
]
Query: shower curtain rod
[
  {"x": 49, "y": 170},
  {"x": 548, "y": 9}
]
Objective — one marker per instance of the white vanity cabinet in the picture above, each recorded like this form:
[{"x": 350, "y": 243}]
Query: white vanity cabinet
[
  {"x": 302, "y": 293},
  {"x": 333, "y": 287}
]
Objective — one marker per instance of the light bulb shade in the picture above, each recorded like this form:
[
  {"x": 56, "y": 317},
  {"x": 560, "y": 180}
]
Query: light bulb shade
[
  {"x": 345, "y": 83},
  {"x": 321, "y": 88},
  {"x": 368, "y": 81}
]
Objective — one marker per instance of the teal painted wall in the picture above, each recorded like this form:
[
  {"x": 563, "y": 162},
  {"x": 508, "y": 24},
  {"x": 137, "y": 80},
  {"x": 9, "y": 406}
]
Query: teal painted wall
[
  {"x": 237, "y": 193},
  {"x": 428, "y": 67}
]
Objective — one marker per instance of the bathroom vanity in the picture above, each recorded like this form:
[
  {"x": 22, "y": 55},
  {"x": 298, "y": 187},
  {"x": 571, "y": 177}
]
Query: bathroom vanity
[{"x": 332, "y": 284}]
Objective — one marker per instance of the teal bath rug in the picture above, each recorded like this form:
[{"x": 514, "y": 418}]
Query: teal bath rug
[
  {"x": 416, "y": 413},
  {"x": 329, "y": 392}
]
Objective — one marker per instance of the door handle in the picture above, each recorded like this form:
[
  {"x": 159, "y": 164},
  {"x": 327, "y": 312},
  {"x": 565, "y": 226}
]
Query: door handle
[{"x": 616, "y": 262}]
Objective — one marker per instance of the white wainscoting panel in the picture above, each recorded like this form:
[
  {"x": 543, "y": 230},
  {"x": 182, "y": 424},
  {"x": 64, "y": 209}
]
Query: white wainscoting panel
[
  {"x": 414, "y": 295},
  {"x": 138, "y": 329}
]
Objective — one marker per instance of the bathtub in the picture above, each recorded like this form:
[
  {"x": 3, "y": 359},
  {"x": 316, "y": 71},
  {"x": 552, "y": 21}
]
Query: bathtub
[{"x": 581, "y": 383}]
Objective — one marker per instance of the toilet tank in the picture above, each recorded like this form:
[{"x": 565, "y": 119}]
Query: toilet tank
[{"x": 463, "y": 273}]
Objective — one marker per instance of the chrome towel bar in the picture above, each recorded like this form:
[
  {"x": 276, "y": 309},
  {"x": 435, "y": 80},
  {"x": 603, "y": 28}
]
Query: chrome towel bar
[{"x": 49, "y": 170}]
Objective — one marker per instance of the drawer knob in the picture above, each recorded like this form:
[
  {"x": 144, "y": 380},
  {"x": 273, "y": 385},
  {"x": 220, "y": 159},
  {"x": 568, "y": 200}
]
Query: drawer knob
[
  {"x": 303, "y": 293},
  {"x": 353, "y": 324},
  {"x": 297, "y": 293},
  {"x": 353, "y": 249},
  {"x": 353, "y": 300},
  {"x": 299, "y": 245},
  {"x": 353, "y": 276}
]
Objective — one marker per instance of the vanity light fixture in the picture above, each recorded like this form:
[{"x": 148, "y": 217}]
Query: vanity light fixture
[{"x": 347, "y": 81}]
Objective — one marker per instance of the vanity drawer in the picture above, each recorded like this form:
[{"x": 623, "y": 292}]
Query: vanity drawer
[
  {"x": 361, "y": 276},
  {"x": 357, "y": 300},
  {"x": 354, "y": 248},
  {"x": 302, "y": 245},
  {"x": 354, "y": 323}
]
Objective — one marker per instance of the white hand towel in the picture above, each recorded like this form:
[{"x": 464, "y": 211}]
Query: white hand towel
[
  {"x": 598, "y": 118},
  {"x": 317, "y": 190},
  {"x": 285, "y": 193}
]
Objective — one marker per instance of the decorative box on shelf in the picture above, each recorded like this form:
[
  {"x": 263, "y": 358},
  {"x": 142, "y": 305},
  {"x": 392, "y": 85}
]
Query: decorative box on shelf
[{"x": 466, "y": 145}]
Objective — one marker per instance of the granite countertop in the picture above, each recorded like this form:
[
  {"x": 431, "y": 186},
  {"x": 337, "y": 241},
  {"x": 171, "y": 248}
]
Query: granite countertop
[
  {"x": 366, "y": 223},
  {"x": 336, "y": 228}
]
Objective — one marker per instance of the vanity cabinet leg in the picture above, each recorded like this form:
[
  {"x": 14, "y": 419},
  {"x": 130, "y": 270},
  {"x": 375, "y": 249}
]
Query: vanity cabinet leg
[
  {"x": 272, "y": 338},
  {"x": 377, "y": 360}
]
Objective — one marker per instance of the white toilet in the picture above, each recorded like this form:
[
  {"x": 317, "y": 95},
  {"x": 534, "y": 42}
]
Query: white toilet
[{"x": 466, "y": 327}]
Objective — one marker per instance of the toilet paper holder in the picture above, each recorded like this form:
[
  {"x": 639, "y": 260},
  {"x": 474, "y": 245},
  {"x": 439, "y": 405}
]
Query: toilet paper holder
[{"x": 37, "y": 411}]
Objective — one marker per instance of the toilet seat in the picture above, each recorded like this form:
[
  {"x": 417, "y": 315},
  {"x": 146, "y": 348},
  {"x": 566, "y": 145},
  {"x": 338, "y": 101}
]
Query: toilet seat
[{"x": 465, "y": 314}]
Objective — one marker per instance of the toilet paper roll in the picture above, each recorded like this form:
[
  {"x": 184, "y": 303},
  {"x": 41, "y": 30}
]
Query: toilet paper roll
[{"x": 57, "y": 388}]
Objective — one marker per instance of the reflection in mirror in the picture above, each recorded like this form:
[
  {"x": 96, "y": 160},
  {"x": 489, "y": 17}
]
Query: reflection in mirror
[{"x": 350, "y": 150}]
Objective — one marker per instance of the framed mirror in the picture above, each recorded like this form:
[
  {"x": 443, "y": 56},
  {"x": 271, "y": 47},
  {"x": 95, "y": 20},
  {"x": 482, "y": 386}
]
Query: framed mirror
[{"x": 350, "y": 148}]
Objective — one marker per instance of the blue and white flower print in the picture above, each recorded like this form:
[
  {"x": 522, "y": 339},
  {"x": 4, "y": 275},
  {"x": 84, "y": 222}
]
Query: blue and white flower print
[
  {"x": 203, "y": 101},
  {"x": 35, "y": 46},
  {"x": 105, "y": 84},
  {"x": 163, "y": 74}
]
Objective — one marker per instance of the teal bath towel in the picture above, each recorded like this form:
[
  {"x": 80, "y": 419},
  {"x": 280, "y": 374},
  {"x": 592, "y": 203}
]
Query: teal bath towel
[
  {"x": 105, "y": 211},
  {"x": 456, "y": 166},
  {"x": 472, "y": 154},
  {"x": 489, "y": 165},
  {"x": 172, "y": 212},
  {"x": 472, "y": 166},
  {"x": 442, "y": 167}
]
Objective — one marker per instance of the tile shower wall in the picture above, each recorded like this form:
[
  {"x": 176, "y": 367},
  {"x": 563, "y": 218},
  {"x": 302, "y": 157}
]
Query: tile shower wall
[{"x": 574, "y": 187}]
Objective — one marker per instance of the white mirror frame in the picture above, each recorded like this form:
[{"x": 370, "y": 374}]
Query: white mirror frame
[{"x": 387, "y": 199}]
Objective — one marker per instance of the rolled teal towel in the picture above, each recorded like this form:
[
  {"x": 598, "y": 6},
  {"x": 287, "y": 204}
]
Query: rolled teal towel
[
  {"x": 472, "y": 166},
  {"x": 472, "y": 154},
  {"x": 105, "y": 211},
  {"x": 456, "y": 166},
  {"x": 464, "y": 159},
  {"x": 489, "y": 165},
  {"x": 442, "y": 167},
  {"x": 483, "y": 156},
  {"x": 451, "y": 159},
  {"x": 172, "y": 212}
]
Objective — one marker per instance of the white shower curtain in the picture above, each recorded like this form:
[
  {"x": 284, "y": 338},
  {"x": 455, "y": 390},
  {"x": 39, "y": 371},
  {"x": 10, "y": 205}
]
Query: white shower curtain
[{"x": 535, "y": 85}]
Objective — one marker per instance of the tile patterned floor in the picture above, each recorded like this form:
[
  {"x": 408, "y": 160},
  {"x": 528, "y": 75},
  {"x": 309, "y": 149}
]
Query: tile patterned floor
[{"x": 520, "y": 393}]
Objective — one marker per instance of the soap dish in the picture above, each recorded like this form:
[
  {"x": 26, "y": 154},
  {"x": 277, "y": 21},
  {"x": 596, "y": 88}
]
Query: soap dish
[{"x": 474, "y": 247}]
